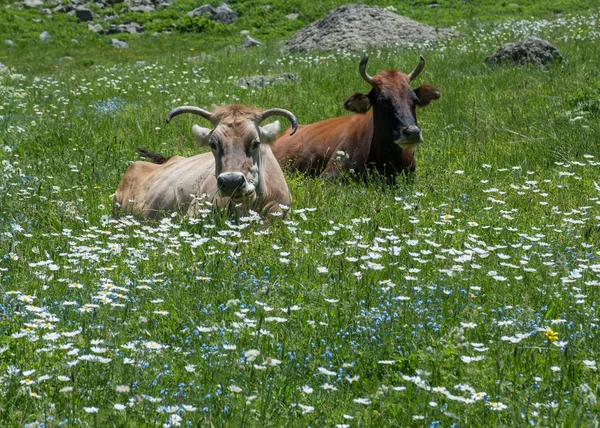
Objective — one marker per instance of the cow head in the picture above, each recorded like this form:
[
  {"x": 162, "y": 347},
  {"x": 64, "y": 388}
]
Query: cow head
[
  {"x": 235, "y": 141},
  {"x": 394, "y": 103}
]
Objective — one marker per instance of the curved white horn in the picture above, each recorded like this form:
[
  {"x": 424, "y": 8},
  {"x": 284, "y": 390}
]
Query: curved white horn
[
  {"x": 362, "y": 69},
  {"x": 189, "y": 109},
  {"x": 413, "y": 74},
  {"x": 281, "y": 112}
]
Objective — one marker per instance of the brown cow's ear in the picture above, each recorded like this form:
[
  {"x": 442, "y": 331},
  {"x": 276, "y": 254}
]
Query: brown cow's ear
[
  {"x": 427, "y": 94},
  {"x": 358, "y": 103}
]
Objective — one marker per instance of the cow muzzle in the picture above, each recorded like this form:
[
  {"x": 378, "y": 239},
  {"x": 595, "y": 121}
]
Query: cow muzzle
[
  {"x": 410, "y": 136},
  {"x": 235, "y": 186}
]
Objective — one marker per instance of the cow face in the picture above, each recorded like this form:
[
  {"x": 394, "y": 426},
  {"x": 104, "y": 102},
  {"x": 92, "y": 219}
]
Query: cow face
[
  {"x": 235, "y": 141},
  {"x": 237, "y": 152},
  {"x": 394, "y": 103}
]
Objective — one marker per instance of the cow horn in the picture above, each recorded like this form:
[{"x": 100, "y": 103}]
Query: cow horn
[
  {"x": 362, "y": 69},
  {"x": 281, "y": 112},
  {"x": 189, "y": 109},
  {"x": 413, "y": 74}
]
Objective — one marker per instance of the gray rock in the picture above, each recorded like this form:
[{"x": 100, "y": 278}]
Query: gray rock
[
  {"x": 533, "y": 51},
  {"x": 33, "y": 3},
  {"x": 119, "y": 44},
  {"x": 3, "y": 68},
  {"x": 9, "y": 43},
  {"x": 45, "y": 36},
  {"x": 222, "y": 13},
  {"x": 245, "y": 32},
  {"x": 360, "y": 28},
  {"x": 142, "y": 9},
  {"x": 140, "y": 63},
  {"x": 36, "y": 20},
  {"x": 250, "y": 42},
  {"x": 64, "y": 8},
  {"x": 46, "y": 12},
  {"x": 292, "y": 16},
  {"x": 84, "y": 14},
  {"x": 131, "y": 28},
  {"x": 259, "y": 82},
  {"x": 96, "y": 28}
]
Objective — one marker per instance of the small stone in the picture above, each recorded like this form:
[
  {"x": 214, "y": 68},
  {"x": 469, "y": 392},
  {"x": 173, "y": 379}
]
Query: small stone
[
  {"x": 259, "y": 82},
  {"x": 250, "y": 42},
  {"x": 96, "y": 28},
  {"x": 433, "y": 5},
  {"x": 222, "y": 13},
  {"x": 244, "y": 32},
  {"x": 292, "y": 16},
  {"x": 119, "y": 44},
  {"x": 9, "y": 43},
  {"x": 142, "y": 9},
  {"x": 84, "y": 14},
  {"x": 140, "y": 63},
  {"x": 45, "y": 36},
  {"x": 33, "y": 3},
  {"x": 3, "y": 68}
]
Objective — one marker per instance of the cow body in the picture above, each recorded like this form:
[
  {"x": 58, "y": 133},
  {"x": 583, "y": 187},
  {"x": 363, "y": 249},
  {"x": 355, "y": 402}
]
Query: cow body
[
  {"x": 380, "y": 137},
  {"x": 240, "y": 174}
]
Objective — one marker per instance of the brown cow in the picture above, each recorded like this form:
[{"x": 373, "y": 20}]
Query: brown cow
[
  {"x": 381, "y": 139},
  {"x": 240, "y": 173}
]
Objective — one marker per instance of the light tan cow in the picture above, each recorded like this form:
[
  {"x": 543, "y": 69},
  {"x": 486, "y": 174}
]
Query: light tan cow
[{"x": 239, "y": 174}]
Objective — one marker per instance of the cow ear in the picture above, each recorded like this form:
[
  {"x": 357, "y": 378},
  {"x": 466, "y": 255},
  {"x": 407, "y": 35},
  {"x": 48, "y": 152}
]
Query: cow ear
[
  {"x": 357, "y": 103},
  {"x": 201, "y": 134},
  {"x": 269, "y": 132},
  {"x": 426, "y": 94}
]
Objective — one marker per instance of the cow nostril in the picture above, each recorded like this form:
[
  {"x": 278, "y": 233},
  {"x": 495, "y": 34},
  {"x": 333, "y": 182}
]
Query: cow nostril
[
  {"x": 412, "y": 132},
  {"x": 229, "y": 182}
]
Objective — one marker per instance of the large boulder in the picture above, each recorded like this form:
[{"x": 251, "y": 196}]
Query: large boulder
[
  {"x": 533, "y": 50},
  {"x": 222, "y": 13},
  {"x": 359, "y": 28}
]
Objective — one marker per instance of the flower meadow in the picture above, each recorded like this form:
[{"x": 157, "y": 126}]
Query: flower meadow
[{"x": 463, "y": 296}]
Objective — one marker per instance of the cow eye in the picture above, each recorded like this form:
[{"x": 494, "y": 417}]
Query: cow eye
[
  {"x": 255, "y": 144},
  {"x": 212, "y": 144}
]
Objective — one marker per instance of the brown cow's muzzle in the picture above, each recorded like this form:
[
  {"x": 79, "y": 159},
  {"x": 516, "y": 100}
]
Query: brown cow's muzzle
[
  {"x": 410, "y": 136},
  {"x": 235, "y": 186}
]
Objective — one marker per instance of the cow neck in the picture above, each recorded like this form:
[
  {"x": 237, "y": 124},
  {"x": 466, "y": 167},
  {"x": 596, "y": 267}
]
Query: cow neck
[{"x": 384, "y": 151}]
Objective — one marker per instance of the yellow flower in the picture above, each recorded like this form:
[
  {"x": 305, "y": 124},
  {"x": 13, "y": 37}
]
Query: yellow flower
[{"x": 551, "y": 335}]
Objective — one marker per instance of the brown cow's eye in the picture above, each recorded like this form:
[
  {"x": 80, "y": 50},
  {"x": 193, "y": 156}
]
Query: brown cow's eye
[{"x": 255, "y": 144}]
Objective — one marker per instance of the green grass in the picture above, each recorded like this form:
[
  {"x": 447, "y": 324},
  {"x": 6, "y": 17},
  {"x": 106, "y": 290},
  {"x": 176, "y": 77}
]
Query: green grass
[{"x": 497, "y": 235}]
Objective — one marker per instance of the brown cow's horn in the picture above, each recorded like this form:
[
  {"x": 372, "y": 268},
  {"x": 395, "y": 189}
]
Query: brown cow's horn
[
  {"x": 281, "y": 112},
  {"x": 189, "y": 109},
  {"x": 362, "y": 69},
  {"x": 413, "y": 74}
]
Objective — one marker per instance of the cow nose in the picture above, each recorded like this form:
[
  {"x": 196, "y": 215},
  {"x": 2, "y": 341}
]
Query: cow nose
[
  {"x": 412, "y": 133},
  {"x": 229, "y": 182}
]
